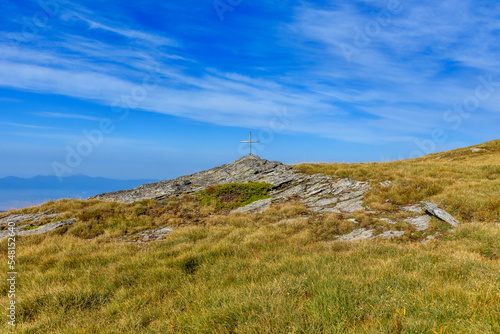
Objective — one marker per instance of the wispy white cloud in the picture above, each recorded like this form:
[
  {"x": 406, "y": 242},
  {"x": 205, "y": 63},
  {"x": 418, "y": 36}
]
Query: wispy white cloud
[
  {"x": 64, "y": 115},
  {"x": 30, "y": 126},
  {"x": 128, "y": 33}
]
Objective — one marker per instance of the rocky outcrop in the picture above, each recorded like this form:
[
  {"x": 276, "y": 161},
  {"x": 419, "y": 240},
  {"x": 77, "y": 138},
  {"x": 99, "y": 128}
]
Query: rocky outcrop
[
  {"x": 18, "y": 219},
  {"x": 319, "y": 192},
  {"x": 247, "y": 169},
  {"x": 26, "y": 224}
]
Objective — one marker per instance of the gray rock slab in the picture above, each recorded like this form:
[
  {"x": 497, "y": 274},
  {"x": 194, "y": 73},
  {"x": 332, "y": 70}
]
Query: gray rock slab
[
  {"x": 156, "y": 234},
  {"x": 257, "y": 206},
  {"x": 420, "y": 223},
  {"x": 351, "y": 205},
  {"x": 21, "y": 218},
  {"x": 413, "y": 208},
  {"x": 313, "y": 192},
  {"x": 433, "y": 209},
  {"x": 42, "y": 229},
  {"x": 358, "y": 234}
]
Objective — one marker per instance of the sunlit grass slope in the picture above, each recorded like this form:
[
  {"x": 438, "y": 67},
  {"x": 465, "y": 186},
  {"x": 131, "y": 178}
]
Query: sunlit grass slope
[{"x": 243, "y": 277}]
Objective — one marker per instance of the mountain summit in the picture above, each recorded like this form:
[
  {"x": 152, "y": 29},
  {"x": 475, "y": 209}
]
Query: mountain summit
[{"x": 318, "y": 192}]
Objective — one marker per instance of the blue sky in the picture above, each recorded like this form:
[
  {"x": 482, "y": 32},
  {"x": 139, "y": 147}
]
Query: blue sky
[{"x": 156, "y": 89}]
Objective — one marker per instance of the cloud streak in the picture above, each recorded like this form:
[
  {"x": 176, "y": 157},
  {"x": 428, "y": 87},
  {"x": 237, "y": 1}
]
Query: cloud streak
[
  {"x": 30, "y": 126},
  {"x": 66, "y": 115}
]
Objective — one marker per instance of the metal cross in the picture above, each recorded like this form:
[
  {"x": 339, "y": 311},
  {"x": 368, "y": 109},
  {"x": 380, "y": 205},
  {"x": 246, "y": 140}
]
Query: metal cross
[{"x": 249, "y": 141}]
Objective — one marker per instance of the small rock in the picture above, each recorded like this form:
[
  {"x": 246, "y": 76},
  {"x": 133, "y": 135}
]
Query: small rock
[
  {"x": 391, "y": 234},
  {"x": 413, "y": 208},
  {"x": 386, "y": 183},
  {"x": 156, "y": 234},
  {"x": 164, "y": 230},
  {"x": 433, "y": 209},
  {"x": 420, "y": 223},
  {"x": 475, "y": 149},
  {"x": 388, "y": 221},
  {"x": 257, "y": 206},
  {"x": 430, "y": 237},
  {"x": 358, "y": 234}
]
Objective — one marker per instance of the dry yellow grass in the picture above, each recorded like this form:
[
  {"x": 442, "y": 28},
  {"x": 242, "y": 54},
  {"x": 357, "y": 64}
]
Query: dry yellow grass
[{"x": 242, "y": 278}]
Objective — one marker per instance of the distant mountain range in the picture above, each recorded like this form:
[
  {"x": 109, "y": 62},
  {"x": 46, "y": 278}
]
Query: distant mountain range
[
  {"x": 70, "y": 182},
  {"x": 17, "y": 192}
]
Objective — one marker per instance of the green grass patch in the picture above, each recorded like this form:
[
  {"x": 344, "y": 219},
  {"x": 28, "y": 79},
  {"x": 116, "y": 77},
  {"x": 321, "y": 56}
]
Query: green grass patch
[{"x": 233, "y": 195}]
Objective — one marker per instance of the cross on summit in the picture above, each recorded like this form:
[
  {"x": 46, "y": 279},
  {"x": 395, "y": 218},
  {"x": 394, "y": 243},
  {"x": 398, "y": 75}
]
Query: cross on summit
[{"x": 249, "y": 141}]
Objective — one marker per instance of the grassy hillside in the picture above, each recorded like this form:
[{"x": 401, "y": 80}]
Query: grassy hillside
[
  {"x": 467, "y": 183},
  {"x": 281, "y": 271}
]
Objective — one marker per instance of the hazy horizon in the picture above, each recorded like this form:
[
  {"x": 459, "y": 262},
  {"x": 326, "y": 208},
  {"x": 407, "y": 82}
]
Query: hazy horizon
[{"x": 19, "y": 192}]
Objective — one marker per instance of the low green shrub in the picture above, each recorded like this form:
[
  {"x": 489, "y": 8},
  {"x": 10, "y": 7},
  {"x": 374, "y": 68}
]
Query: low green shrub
[{"x": 233, "y": 195}]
